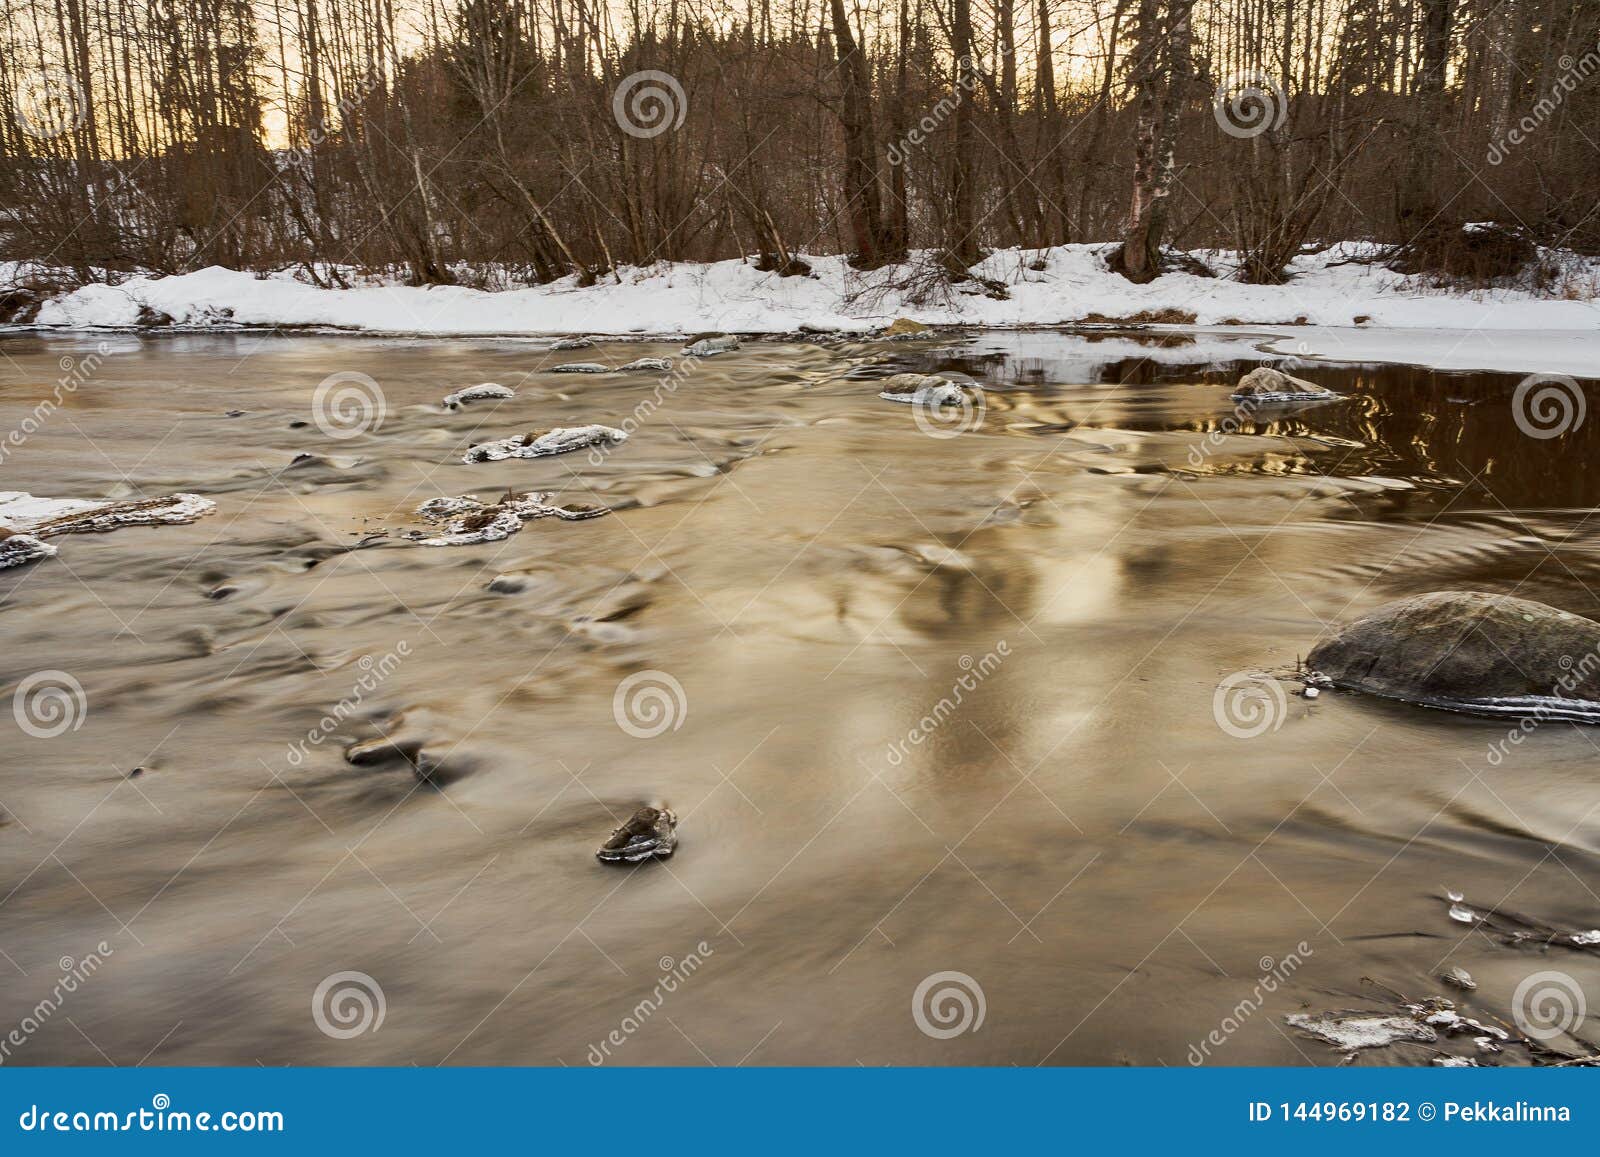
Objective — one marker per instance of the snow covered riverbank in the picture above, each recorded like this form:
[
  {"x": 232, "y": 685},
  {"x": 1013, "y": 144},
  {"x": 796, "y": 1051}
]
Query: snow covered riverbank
[{"x": 1332, "y": 308}]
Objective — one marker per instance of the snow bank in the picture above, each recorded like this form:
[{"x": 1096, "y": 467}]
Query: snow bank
[{"x": 1072, "y": 284}]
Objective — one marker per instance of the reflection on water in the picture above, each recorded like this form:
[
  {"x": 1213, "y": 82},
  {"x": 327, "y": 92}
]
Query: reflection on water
[{"x": 921, "y": 705}]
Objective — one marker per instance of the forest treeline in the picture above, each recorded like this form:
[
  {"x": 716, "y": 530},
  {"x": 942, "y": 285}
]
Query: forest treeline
[{"x": 439, "y": 139}]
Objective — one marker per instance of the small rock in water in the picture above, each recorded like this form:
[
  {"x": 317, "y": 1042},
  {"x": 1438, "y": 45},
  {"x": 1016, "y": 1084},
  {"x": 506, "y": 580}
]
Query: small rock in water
[
  {"x": 708, "y": 347},
  {"x": 1461, "y": 914},
  {"x": 646, "y": 365},
  {"x": 921, "y": 390},
  {"x": 539, "y": 444},
  {"x": 1310, "y": 692},
  {"x": 1264, "y": 386},
  {"x": 580, "y": 368},
  {"x": 1459, "y": 978},
  {"x": 1586, "y": 939},
  {"x": 650, "y": 833},
  {"x": 483, "y": 391},
  {"x": 573, "y": 343},
  {"x": 1455, "y": 1063}
]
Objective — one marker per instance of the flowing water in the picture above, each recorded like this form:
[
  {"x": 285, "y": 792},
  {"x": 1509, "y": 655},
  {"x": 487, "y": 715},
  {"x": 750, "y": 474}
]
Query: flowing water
[{"x": 925, "y": 705}]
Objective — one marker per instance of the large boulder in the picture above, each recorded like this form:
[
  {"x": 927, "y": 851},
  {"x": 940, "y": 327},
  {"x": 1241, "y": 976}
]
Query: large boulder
[{"x": 1470, "y": 651}]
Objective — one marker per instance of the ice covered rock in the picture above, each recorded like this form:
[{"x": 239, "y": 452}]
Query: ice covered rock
[
  {"x": 481, "y": 392},
  {"x": 646, "y": 365},
  {"x": 46, "y": 517},
  {"x": 466, "y": 519},
  {"x": 1265, "y": 386},
  {"x": 1470, "y": 651},
  {"x": 17, "y": 549},
  {"x": 709, "y": 347},
  {"x": 649, "y": 833},
  {"x": 541, "y": 444},
  {"x": 921, "y": 390},
  {"x": 1362, "y": 1030},
  {"x": 573, "y": 343},
  {"x": 580, "y": 368}
]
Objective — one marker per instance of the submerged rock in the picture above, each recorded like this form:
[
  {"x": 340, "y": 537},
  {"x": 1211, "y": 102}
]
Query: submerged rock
[
  {"x": 466, "y": 519},
  {"x": 650, "y": 833},
  {"x": 580, "y": 368},
  {"x": 481, "y": 392},
  {"x": 709, "y": 347},
  {"x": 921, "y": 390},
  {"x": 1264, "y": 386},
  {"x": 1469, "y": 651},
  {"x": 646, "y": 365},
  {"x": 542, "y": 443}
]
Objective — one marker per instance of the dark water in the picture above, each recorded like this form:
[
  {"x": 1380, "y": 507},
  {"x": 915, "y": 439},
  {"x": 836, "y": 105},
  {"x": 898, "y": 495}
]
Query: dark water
[{"x": 1078, "y": 835}]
